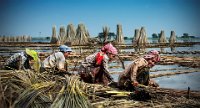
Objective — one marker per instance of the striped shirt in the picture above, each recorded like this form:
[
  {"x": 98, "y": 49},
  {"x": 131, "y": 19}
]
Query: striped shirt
[{"x": 17, "y": 57}]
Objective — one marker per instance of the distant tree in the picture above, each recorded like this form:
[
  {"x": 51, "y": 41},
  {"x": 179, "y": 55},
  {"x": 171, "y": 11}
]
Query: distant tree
[
  {"x": 48, "y": 38},
  {"x": 159, "y": 34},
  {"x": 192, "y": 36},
  {"x": 154, "y": 35},
  {"x": 111, "y": 34},
  {"x": 185, "y": 34},
  {"x": 126, "y": 38}
]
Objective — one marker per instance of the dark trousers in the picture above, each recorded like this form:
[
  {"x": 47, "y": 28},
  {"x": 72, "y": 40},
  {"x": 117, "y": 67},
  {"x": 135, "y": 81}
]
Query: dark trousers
[
  {"x": 93, "y": 75},
  {"x": 142, "y": 78}
]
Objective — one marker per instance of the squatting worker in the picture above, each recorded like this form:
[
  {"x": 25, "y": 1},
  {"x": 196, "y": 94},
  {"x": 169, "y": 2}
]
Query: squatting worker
[
  {"x": 22, "y": 60},
  {"x": 56, "y": 63},
  {"x": 138, "y": 71},
  {"x": 94, "y": 69}
]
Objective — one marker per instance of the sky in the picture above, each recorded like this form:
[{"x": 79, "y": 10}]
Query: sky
[{"x": 37, "y": 17}]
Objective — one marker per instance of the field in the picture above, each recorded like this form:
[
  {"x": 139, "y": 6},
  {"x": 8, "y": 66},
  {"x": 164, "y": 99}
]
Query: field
[{"x": 177, "y": 74}]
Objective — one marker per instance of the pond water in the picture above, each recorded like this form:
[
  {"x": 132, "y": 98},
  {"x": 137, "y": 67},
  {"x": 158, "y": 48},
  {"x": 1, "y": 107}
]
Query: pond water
[
  {"x": 191, "y": 48},
  {"x": 182, "y": 81}
]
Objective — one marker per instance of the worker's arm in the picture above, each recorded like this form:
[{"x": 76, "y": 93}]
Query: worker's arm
[
  {"x": 140, "y": 62},
  {"x": 62, "y": 68},
  {"x": 20, "y": 64},
  {"x": 105, "y": 68},
  {"x": 133, "y": 73}
]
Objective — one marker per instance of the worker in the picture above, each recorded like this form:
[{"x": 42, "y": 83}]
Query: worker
[
  {"x": 138, "y": 71},
  {"x": 22, "y": 60},
  {"x": 56, "y": 62},
  {"x": 94, "y": 69}
]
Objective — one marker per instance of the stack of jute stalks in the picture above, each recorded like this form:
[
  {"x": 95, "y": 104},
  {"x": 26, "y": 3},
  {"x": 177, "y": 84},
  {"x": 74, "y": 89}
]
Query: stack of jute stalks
[{"x": 26, "y": 89}]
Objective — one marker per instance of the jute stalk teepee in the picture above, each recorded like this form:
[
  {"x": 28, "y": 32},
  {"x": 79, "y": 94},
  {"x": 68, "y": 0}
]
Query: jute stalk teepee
[
  {"x": 70, "y": 33},
  {"x": 172, "y": 38},
  {"x": 142, "y": 40},
  {"x": 105, "y": 34},
  {"x": 162, "y": 38},
  {"x": 120, "y": 37},
  {"x": 61, "y": 37},
  {"x": 54, "y": 38},
  {"x": 136, "y": 37},
  {"x": 82, "y": 35}
]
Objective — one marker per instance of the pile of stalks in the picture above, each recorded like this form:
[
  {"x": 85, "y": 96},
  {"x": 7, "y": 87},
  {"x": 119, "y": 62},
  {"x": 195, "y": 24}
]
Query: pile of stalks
[
  {"x": 107, "y": 97},
  {"x": 161, "y": 101},
  {"x": 27, "y": 89}
]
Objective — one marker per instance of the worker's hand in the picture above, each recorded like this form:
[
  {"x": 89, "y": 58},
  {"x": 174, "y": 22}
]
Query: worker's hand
[
  {"x": 110, "y": 82},
  {"x": 135, "y": 83},
  {"x": 153, "y": 83}
]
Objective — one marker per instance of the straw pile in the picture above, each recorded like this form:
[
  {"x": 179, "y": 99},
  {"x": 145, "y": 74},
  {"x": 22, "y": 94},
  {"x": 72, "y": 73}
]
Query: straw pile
[
  {"x": 162, "y": 38},
  {"x": 23, "y": 38},
  {"x": 172, "y": 38},
  {"x": 70, "y": 33},
  {"x": 26, "y": 89},
  {"x": 141, "y": 41},
  {"x": 105, "y": 34},
  {"x": 61, "y": 37},
  {"x": 82, "y": 35},
  {"x": 54, "y": 38},
  {"x": 120, "y": 37},
  {"x": 136, "y": 36}
]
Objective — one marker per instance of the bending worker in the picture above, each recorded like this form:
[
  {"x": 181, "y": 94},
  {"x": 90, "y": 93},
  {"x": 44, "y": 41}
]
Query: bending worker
[
  {"x": 94, "y": 69},
  {"x": 22, "y": 60},
  {"x": 55, "y": 63},
  {"x": 138, "y": 71}
]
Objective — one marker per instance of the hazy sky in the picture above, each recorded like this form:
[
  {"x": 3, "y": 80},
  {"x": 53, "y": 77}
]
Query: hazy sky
[{"x": 30, "y": 17}]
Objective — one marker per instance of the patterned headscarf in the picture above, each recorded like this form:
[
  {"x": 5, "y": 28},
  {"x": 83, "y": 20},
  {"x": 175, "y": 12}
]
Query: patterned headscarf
[
  {"x": 109, "y": 48},
  {"x": 152, "y": 54}
]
